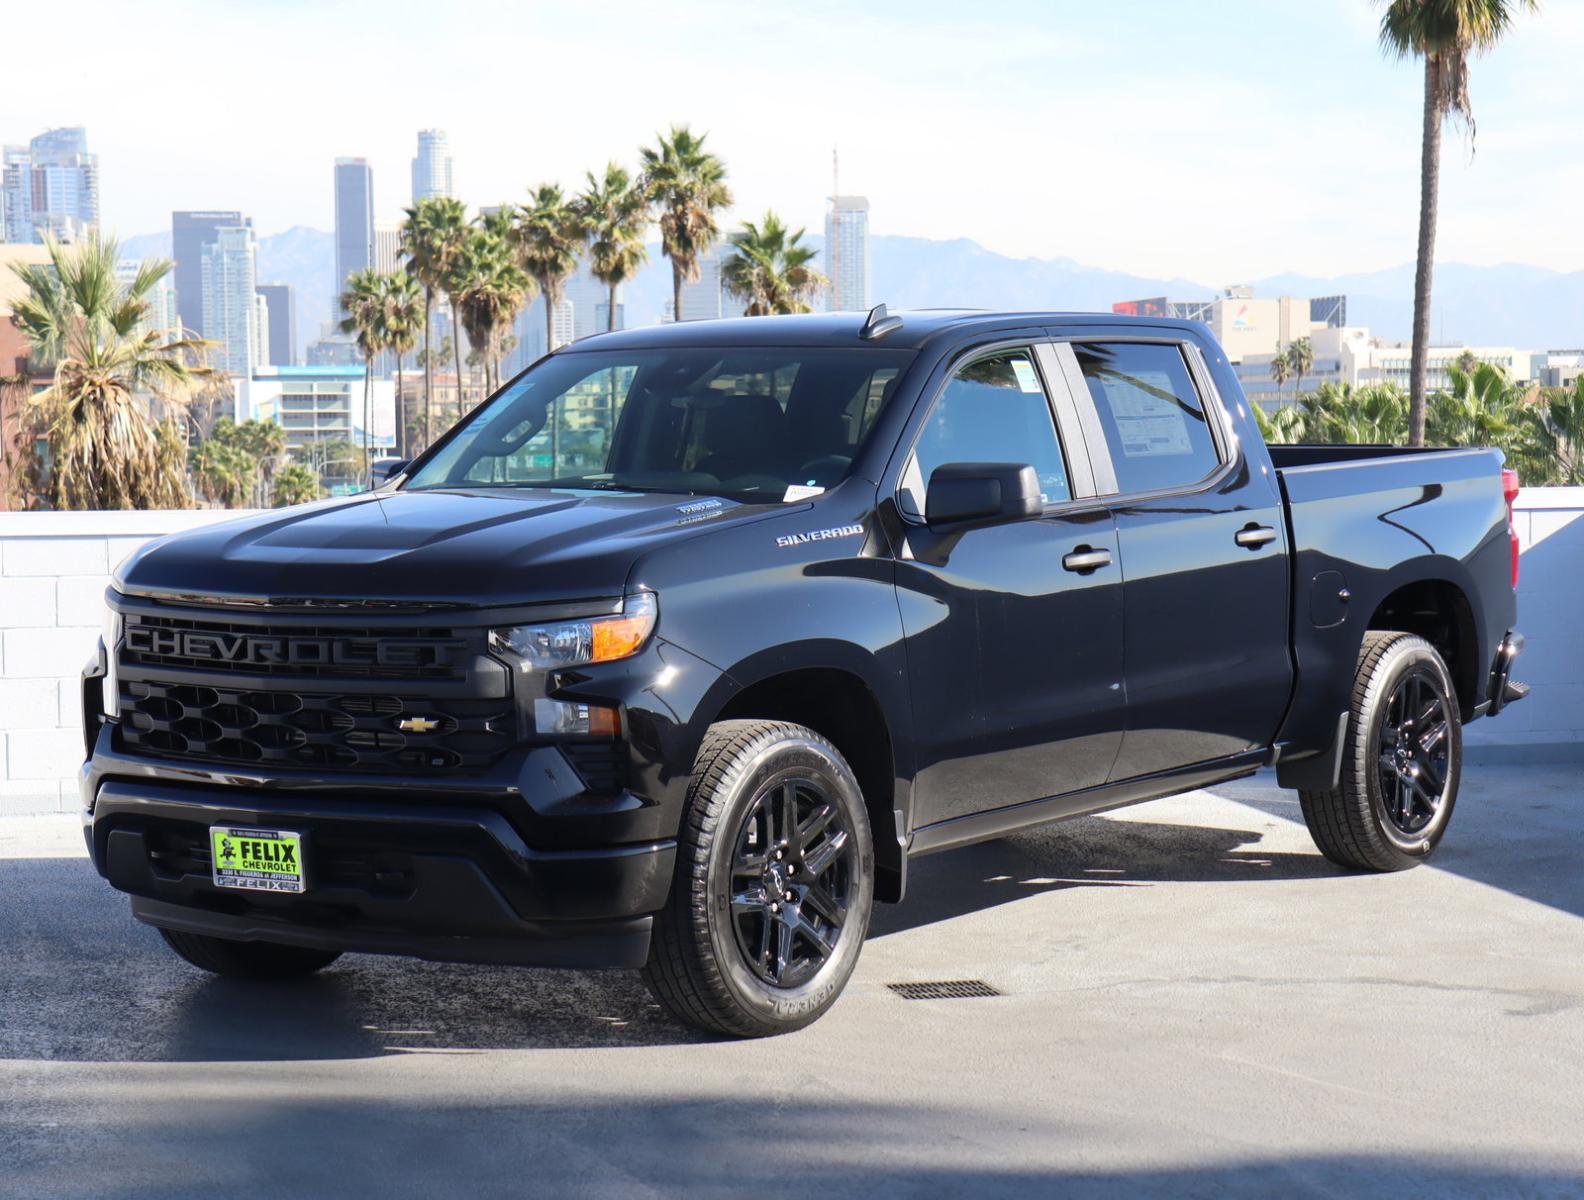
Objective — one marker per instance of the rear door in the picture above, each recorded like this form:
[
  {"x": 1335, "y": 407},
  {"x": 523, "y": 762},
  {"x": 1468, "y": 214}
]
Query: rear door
[
  {"x": 1203, "y": 549},
  {"x": 1014, "y": 631}
]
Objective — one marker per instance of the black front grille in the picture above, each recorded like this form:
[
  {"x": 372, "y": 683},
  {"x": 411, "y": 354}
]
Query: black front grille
[
  {"x": 313, "y": 730},
  {"x": 362, "y": 652}
]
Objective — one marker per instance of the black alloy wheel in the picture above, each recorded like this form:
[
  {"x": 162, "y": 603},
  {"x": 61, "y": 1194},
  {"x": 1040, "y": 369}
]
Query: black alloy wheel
[
  {"x": 792, "y": 872},
  {"x": 1413, "y": 751}
]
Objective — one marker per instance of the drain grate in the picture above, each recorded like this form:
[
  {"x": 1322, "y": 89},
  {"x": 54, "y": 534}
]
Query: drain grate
[{"x": 944, "y": 989}]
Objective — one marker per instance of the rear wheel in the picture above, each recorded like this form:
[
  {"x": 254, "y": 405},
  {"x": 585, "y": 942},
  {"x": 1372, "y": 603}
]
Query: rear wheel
[
  {"x": 774, "y": 885},
  {"x": 246, "y": 960},
  {"x": 1401, "y": 764}
]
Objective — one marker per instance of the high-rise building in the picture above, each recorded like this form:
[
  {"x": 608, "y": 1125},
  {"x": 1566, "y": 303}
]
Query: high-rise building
[
  {"x": 706, "y": 298},
  {"x": 847, "y": 253},
  {"x": 50, "y": 186},
  {"x": 387, "y": 245},
  {"x": 354, "y": 214},
  {"x": 192, "y": 233},
  {"x": 230, "y": 300},
  {"x": 280, "y": 348},
  {"x": 431, "y": 169}
]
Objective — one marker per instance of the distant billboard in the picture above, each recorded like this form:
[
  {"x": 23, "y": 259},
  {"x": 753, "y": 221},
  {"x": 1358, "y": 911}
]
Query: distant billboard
[{"x": 1156, "y": 306}]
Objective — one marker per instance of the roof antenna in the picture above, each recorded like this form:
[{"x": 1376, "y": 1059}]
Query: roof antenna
[{"x": 878, "y": 323}]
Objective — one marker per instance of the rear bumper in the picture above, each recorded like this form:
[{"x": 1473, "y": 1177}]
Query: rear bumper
[{"x": 437, "y": 881}]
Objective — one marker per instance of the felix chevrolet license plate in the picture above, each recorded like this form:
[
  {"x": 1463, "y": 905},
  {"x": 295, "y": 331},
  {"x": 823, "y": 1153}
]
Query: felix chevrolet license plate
[{"x": 261, "y": 860}]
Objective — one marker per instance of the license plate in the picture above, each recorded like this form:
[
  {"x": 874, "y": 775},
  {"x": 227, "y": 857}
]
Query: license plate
[{"x": 260, "y": 860}]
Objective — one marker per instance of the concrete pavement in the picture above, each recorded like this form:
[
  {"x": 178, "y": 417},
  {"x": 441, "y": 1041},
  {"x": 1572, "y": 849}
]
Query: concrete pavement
[{"x": 1195, "y": 1004}]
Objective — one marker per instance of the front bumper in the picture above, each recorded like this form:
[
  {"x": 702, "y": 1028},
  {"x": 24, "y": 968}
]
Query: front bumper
[{"x": 441, "y": 882}]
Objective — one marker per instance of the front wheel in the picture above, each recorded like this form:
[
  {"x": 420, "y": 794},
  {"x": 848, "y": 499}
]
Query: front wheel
[
  {"x": 774, "y": 883},
  {"x": 1401, "y": 763}
]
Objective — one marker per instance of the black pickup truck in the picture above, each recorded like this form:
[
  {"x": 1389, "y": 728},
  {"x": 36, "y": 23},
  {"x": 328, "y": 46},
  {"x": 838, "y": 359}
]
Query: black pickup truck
[{"x": 676, "y": 650}]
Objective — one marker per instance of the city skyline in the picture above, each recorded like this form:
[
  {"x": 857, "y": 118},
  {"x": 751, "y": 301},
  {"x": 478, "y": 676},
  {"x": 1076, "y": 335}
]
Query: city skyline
[{"x": 1280, "y": 129}]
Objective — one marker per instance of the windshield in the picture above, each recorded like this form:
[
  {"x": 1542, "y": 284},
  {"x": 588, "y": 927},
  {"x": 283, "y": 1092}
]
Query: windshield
[{"x": 749, "y": 423}]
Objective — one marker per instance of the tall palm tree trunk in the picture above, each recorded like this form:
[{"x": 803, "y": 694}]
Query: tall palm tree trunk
[
  {"x": 403, "y": 446},
  {"x": 610, "y": 310},
  {"x": 428, "y": 365},
  {"x": 676, "y": 291},
  {"x": 549, "y": 322},
  {"x": 456, "y": 357},
  {"x": 1429, "y": 191},
  {"x": 368, "y": 387}
]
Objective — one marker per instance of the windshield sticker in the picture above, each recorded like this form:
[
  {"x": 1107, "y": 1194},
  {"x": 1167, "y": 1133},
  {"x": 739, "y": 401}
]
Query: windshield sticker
[
  {"x": 819, "y": 535},
  {"x": 1024, "y": 370},
  {"x": 800, "y": 491}
]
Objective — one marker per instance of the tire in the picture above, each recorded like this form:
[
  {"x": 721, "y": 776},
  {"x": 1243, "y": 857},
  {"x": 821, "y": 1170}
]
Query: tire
[
  {"x": 727, "y": 955},
  {"x": 1386, "y": 814},
  {"x": 247, "y": 960}
]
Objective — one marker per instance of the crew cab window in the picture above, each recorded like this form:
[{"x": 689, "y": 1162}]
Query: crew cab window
[
  {"x": 992, "y": 410},
  {"x": 1153, "y": 418}
]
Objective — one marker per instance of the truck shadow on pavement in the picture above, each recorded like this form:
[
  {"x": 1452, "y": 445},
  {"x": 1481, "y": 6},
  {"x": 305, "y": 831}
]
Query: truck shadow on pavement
[{"x": 87, "y": 983}]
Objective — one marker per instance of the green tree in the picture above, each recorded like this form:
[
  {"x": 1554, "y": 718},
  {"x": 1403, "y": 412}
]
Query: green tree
[
  {"x": 225, "y": 470},
  {"x": 1339, "y": 414},
  {"x": 687, "y": 186},
  {"x": 769, "y": 270},
  {"x": 404, "y": 320},
  {"x": 1481, "y": 409},
  {"x": 1300, "y": 357},
  {"x": 1280, "y": 372},
  {"x": 614, "y": 212},
  {"x": 431, "y": 238},
  {"x": 1443, "y": 33},
  {"x": 1552, "y": 452},
  {"x": 364, "y": 305},
  {"x": 490, "y": 290},
  {"x": 105, "y": 450},
  {"x": 547, "y": 236},
  {"x": 295, "y": 484}
]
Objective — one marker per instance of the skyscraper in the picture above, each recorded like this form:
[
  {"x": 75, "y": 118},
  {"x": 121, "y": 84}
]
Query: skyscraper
[
  {"x": 281, "y": 345},
  {"x": 431, "y": 169},
  {"x": 230, "y": 299},
  {"x": 354, "y": 210},
  {"x": 387, "y": 245},
  {"x": 191, "y": 234},
  {"x": 50, "y": 186},
  {"x": 847, "y": 253},
  {"x": 706, "y": 298}
]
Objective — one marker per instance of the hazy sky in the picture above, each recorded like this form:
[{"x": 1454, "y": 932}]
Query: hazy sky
[{"x": 1214, "y": 139}]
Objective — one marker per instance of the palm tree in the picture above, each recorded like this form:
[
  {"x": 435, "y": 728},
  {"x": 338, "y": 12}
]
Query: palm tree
[
  {"x": 1300, "y": 357},
  {"x": 769, "y": 269},
  {"x": 547, "y": 236},
  {"x": 490, "y": 290},
  {"x": 687, "y": 184},
  {"x": 404, "y": 319},
  {"x": 614, "y": 212},
  {"x": 1481, "y": 409},
  {"x": 364, "y": 305},
  {"x": 1443, "y": 33},
  {"x": 295, "y": 484},
  {"x": 1281, "y": 372},
  {"x": 1553, "y": 451},
  {"x": 431, "y": 238},
  {"x": 105, "y": 451}
]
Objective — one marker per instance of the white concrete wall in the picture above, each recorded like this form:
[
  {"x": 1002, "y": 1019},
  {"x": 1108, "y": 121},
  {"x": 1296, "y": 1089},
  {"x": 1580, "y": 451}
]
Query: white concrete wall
[{"x": 54, "y": 568}]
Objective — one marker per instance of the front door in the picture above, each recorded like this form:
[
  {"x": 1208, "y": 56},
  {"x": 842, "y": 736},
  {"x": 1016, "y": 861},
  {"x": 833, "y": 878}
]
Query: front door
[
  {"x": 1014, "y": 631},
  {"x": 1203, "y": 559}
]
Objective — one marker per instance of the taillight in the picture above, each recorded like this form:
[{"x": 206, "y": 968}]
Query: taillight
[{"x": 1510, "y": 492}]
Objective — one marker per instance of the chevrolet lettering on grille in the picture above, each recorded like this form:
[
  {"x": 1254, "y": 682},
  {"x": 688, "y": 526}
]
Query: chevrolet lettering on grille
[{"x": 272, "y": 649}]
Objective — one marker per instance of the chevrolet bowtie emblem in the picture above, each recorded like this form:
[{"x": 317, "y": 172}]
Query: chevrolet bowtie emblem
[{"x": 417, "y": 725}]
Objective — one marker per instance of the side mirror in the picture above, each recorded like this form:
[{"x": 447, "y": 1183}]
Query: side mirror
[
  {"x": 988, "y": 493},
  {"x": 383, "y": 470}
]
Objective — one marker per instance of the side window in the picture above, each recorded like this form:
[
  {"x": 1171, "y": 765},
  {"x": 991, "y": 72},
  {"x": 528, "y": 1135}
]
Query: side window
[
  {"x": 1153, "y": 418},
  {"x": 993, "y": 410}
]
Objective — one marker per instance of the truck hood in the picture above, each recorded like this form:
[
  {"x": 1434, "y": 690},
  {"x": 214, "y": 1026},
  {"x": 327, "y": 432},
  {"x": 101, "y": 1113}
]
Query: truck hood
[{"x": 478, "y": 548}]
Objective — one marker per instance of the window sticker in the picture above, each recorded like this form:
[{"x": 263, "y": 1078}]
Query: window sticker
[
  {"x": 1024, "y": 370},
  {"x": 1149, "y": 418},
  {"x": 800, "y": 491}
]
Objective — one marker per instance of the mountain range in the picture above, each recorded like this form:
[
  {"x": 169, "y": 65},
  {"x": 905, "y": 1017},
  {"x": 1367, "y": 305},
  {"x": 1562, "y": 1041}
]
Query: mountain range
[{"x": 1510, "y": 304}]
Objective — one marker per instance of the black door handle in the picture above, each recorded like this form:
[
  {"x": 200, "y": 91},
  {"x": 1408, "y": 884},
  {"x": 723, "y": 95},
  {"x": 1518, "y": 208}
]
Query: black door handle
[
  {"x": 1252, "y": 537},
  {"x": 1083, "y": 560}
]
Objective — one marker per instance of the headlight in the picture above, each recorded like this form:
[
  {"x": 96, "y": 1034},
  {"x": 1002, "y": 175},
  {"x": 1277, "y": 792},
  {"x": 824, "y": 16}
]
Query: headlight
[
  {"x": 110, "y": 640},
  {"x": 557, "y": 644}
]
